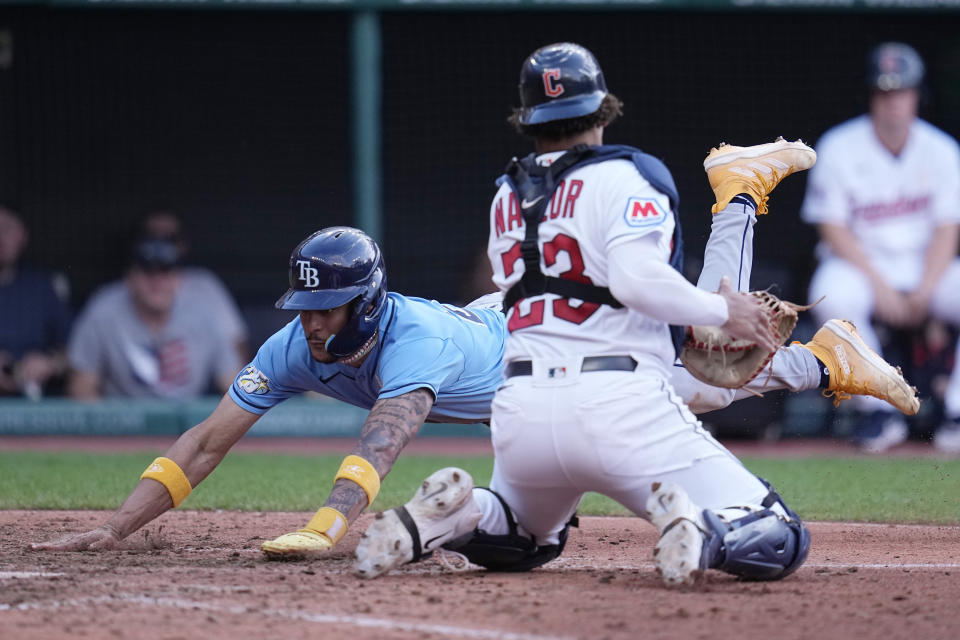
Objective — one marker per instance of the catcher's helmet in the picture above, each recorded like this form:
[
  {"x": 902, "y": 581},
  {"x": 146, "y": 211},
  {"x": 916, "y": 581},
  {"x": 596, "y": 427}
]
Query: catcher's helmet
[
  {"x": 560, "y": 81},
  {"x": 894, "y": 65},
  {"x": 335, "y": 266}
]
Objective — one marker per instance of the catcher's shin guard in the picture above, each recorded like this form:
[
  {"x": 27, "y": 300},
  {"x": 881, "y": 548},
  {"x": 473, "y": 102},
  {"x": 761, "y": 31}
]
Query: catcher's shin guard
[
  {"x": 762, "y": 545},
  {"x": 510, "y": 552}
]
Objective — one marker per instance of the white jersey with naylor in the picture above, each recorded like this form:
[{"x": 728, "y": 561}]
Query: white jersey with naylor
[
  {"x": 893, "y": 204},
  {"x": 595, "y": 208}
]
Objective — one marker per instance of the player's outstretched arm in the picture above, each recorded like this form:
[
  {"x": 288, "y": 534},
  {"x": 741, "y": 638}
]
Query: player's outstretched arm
[
  {"x": 391, "y": 424},
  {"x": 167, "y": 481}
]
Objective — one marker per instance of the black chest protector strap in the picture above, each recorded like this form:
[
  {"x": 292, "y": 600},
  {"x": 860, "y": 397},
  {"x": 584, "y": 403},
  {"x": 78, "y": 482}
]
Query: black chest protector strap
[{"x": 534, "y": 186}]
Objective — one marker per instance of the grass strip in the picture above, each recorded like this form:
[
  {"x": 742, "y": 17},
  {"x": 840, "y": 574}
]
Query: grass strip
[{"x": 893, "y": 490}]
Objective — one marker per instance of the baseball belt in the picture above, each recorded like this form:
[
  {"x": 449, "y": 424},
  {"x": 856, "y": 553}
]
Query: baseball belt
[{"x": 590, "y": 363}]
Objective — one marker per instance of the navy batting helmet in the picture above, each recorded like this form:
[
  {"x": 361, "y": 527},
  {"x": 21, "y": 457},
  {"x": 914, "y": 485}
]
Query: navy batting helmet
[
  {"x": 560, "y": 81},
  {"x": 894, "y": 65},
  {"x": 335, "y": 266}
]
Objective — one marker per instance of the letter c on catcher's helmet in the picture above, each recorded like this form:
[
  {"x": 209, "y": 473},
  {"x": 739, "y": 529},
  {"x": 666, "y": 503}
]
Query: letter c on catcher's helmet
[
  {"x": 893, "y": 66},
  {"x": 335, "y": 266},
  {"x": 560, "y": 81}
]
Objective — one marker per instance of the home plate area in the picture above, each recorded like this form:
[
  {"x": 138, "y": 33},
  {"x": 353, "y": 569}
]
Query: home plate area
[{"x": 199, "y": 574}]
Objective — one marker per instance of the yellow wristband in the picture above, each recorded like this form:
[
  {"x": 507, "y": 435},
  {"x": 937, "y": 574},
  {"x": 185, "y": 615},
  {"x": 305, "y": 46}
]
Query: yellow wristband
[
  {"x": 362, "y": 472},
  {"x": 170, "y": 475},
  {"x": 329, "y": 522}
]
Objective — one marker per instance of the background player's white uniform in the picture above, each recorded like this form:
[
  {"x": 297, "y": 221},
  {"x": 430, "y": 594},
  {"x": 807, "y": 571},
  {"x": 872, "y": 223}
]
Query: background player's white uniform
[
  {"x": 893, "y": 205},
  {"x": 561, "y": 432}
]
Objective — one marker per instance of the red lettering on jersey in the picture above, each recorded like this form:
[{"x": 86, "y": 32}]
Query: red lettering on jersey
[
  {"x": 644, "y": 209},
  {"x": 498, "y": 218},
  {"x": 902, "y": 206},
  {"x": 573, "y": 192},
  {"x": 557, "y": 200},
  {"x": 562, "y": 308},
  {"x": 532, "y": 319},
  {"x": 514, "y": 219},
  {"x": 551, "y": 83},
  {"x": 563, "y": 243},
  {"x": 510, "y": 259}
]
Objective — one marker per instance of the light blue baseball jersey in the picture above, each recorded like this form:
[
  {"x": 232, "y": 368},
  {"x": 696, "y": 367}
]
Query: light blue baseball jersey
[{"x": 456, "y": 353}]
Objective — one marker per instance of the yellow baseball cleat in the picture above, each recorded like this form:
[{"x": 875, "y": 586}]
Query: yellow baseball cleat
[
  {"x": 857, "y": 369},
  {"x": 755, "y": 170},
  {"x": 298, "y": 544}
]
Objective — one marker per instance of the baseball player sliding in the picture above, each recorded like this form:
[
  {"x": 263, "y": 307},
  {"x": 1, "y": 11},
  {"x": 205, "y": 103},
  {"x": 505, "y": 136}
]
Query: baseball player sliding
[
  {"x": 409, "y": 360},
  {"x": 584, "y": 243}
]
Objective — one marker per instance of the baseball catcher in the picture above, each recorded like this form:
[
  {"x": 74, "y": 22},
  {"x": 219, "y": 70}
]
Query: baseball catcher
[{"x": 589, "y": 355}]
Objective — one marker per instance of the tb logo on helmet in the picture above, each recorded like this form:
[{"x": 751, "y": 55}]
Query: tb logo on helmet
[
  {"x": 551, "y": 83},
  {"x": 308, "y": 274}
]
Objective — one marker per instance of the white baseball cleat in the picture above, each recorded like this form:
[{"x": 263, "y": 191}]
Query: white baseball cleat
[
  {"x": 441, "y": 510},
  {"x": 679, "y": 552}
]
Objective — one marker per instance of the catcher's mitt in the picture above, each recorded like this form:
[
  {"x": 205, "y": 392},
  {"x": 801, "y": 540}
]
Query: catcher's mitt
[{"x": 714, "y": 357}]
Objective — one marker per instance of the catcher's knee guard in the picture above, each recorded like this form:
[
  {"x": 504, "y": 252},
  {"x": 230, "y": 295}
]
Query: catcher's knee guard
[
  {"x": 510, "y": 552},
  {"x": 762, "y": 545}
]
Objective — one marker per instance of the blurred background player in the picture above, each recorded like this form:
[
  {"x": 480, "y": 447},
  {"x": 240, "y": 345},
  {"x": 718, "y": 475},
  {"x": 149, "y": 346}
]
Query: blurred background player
[
  {"x": 198, "y": 285},
  {"x": 142, "y": 337},
  {"x": 885, "y": 196},
  {"x": 34, "y": 317}
]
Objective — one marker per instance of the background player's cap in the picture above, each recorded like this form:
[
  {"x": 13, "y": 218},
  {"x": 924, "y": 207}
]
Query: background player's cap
[
  {"x": 156, "y": 253},
  {"x": 893, "y": 66},
  {"x": 560, "y": 81}
]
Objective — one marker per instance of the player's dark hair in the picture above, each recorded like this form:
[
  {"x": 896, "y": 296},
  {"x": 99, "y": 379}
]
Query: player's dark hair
[{"x": 610, "y": 109}]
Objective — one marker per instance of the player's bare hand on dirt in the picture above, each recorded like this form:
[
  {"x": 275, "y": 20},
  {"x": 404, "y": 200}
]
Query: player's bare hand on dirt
[
  {"x": 747, "y": 319},
  {"x": 99, "y": 539}
]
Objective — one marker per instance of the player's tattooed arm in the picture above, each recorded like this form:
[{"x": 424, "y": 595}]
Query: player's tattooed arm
[{"x": 392, "y": 423}]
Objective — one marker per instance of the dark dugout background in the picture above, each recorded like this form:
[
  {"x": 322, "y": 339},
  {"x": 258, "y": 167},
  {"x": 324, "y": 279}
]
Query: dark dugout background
[{"x": 239, "y": 122}]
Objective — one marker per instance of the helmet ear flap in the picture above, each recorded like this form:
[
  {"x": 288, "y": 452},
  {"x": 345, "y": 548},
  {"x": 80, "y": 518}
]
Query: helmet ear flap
[{"x": 365, "y": 312}]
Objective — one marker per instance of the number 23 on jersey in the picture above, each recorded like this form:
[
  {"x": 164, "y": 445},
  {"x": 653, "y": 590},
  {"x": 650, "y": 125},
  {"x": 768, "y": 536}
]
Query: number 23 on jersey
[{"x": 561, "y": 307}]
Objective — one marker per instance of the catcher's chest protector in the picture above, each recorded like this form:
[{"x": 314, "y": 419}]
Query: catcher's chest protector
[{"x": 534, "y": 186}]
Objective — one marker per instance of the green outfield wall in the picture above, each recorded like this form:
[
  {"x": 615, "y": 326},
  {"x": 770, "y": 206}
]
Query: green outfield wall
[{"x": 299, "y": 417}]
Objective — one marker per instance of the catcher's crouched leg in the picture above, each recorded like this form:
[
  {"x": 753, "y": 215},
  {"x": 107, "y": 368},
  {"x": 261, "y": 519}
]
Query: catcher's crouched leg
[
  {"x": 509, "y": 552},
  {"x": 767, "y": 544}
]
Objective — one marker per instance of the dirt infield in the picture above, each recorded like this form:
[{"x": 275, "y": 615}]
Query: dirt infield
[{"x": 199, "y": 575}]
